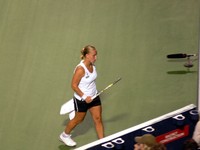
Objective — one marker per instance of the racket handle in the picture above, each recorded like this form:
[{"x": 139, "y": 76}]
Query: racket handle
[{"x": 93, "y": 97}]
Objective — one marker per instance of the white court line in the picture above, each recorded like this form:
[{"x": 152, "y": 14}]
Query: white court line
[{"x": 145, "y": 124}]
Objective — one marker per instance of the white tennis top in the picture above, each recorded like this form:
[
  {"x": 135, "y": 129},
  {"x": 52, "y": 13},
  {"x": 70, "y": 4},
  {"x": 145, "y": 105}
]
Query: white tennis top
[{"x": 87, "y": 84}]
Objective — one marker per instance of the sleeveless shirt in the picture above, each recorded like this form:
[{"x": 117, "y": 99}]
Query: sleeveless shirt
[{"x": 87, "y": 83}]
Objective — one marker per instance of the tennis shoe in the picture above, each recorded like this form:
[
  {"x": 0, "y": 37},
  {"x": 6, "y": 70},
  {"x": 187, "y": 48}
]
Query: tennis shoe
[{"x": 67, "y": 140}]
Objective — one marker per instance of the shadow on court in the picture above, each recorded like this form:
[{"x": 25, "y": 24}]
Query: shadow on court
[
  {"x": 82, "y": 128},
  {"x": 88, "y": 124},
  {"x": 178, "y": 72}
]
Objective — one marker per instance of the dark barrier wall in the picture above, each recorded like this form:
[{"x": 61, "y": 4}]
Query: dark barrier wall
[{"x": 172, "y": 130}]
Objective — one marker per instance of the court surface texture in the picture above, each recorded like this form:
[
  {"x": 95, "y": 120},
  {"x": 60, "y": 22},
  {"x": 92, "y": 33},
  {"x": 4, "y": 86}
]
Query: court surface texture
[{"x": 40, "y": 43}]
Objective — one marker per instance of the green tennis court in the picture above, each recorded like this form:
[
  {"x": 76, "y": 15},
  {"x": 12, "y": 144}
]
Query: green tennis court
[{"x": 40, "y": 43}]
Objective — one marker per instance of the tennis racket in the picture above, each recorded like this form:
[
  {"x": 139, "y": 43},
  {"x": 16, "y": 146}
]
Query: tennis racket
[{"x": 68, "y": 107}]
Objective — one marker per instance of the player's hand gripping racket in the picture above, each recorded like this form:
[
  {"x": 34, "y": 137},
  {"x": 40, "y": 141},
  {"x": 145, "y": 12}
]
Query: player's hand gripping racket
[{"x": 68, "y": 107}]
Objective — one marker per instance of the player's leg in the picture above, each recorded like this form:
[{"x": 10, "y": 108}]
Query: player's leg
[
  {"x": 79, "y": 117},
  {"x": 66, "y": 136},
  {"x": 80, "y": 113},
  {"x": 96, "y": 113}
]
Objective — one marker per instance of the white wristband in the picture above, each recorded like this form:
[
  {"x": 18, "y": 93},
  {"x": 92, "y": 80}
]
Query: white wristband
[{"x": 84, "y": 97}]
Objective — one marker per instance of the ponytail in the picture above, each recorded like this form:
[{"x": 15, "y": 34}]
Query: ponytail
[{"x": 85, "y": 50}]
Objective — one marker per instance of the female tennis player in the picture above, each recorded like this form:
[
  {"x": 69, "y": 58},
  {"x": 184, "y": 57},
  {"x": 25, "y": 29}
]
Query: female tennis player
[{"x": 83, "y": 84}]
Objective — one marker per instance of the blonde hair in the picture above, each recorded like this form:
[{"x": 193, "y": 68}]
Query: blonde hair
[{"x": 86, "y": 50}]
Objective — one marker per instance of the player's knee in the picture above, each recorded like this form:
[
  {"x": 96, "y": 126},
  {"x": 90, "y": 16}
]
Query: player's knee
[{"x": 97, "y": 119}]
